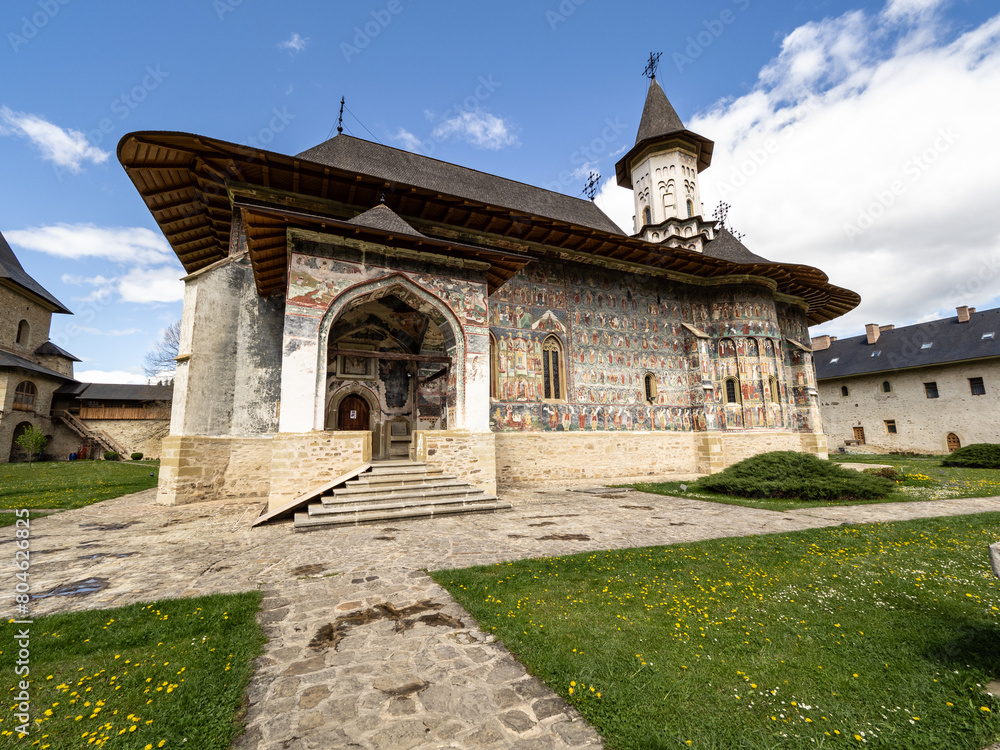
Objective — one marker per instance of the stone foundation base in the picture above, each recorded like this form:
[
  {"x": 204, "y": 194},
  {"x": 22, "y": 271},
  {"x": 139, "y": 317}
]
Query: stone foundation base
[
  {"x": 303, "y": 460},
  {"x": 470, "y": 456},
  {"x": 198, "y": 468},
  {"x": 539, "y": 456}
]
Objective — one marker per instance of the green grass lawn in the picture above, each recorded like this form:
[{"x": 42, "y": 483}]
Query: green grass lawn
[
  {"x": 853, "y": 636},
  {"x": 71, "y": 484},
  {"x": 923, "y": 479},
  {"x": 171, "y": 674}
]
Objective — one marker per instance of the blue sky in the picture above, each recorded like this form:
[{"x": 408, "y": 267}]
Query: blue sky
[{"x": 856, "y": 137}]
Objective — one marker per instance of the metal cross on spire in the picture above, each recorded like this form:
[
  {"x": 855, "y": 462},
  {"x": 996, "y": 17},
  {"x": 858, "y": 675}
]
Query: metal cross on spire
[{"x": 654, "y": 61}]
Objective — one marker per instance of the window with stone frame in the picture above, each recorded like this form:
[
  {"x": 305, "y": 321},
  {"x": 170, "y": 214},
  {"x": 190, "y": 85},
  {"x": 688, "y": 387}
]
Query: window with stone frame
[
  {"x": 22, "y": 333},
  {"x": 772, "y": 387},
  {"x": 553, "y": 370},
  {"x": 844, "y": 391},
  {"x": 977, "y": 386},
  {"x": 890, "y": 426},
  {"x": 24, "y": 396},
  {"x": 886, "y": 386},
  {"x": 649, "y": 382},
  {"x": 732, "y": 391},
  {"x": 931, "y": 390}
]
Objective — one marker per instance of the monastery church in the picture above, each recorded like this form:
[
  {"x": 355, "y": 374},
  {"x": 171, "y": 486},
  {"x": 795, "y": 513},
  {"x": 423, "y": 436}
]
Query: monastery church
[{"x": 356, "y": 303}]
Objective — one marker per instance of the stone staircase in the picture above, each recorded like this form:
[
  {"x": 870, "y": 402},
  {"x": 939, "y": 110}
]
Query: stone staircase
[{"x": 395, "y": 491}]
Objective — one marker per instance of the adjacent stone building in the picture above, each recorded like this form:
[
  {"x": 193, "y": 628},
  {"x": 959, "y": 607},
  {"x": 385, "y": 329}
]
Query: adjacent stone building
[
  {"x": 37, "y": 386},
  {"x": 925, "y": 388},
  {"x": 355, "y": 302}
]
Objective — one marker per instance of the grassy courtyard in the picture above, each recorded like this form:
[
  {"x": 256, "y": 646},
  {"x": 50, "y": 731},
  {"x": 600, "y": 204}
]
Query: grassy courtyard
[
  {"x": 856, "y": 636},
  {"x": 71, "y": 484},
  {"x": 171, "y": 674},
  {"x": 922, "y": 478}
]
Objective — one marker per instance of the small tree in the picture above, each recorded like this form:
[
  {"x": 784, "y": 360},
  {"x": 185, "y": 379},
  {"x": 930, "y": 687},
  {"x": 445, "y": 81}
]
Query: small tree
[
  {"x": 31, "y": 441},
  {"x": 161, "y": 358}
]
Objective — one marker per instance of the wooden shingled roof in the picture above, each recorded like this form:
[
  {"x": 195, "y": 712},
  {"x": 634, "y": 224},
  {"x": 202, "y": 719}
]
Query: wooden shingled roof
[{"x": 192, "y": 184}]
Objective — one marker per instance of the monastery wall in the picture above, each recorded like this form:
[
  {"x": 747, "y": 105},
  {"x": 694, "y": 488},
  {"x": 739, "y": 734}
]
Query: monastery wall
[
  {"x": 13, "y": 309},
  {"x": 470, "y": 456},
  {"x": 302, "y": 461},
  {"x": 134, "y": 435},
  {"x": 199, "y": 468},
  {"x": 922, "y": 423}
]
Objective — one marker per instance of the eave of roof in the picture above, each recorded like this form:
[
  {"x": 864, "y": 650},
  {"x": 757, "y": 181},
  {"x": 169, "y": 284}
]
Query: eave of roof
[
  {"x": 51, "y": 350},
  {"x": 13, "y": 274},
  {"x": 8, "y": 360},
  {"x": 190, "y": 184}
]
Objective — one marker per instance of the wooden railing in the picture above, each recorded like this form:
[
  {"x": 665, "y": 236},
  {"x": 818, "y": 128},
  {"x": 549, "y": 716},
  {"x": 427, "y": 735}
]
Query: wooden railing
[{"x": 85, "y": 431}]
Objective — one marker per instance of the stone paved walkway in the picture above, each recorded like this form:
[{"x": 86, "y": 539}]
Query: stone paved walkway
[{"x": 408, "y": 668}]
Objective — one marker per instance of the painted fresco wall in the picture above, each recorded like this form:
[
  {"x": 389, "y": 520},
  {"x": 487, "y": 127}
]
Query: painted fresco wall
[
  {"x": 615, "y": 328},
  {"x": 320, "y": 273}
]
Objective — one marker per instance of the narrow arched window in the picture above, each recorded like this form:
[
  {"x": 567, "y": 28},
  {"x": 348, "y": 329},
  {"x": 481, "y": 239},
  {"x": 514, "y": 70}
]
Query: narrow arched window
[
  {"x": 772, "y": 386},
  {"x": 553, "y": 373},
  {"x": 886, "y": 386},
  {"x": 22, "y": 332},
  {"x": 494, "y": 366},
  {"x": 24, "y": 396},
  {"x": 650, "y": 384},
  {"x": 844, "y": 391},
  {"x": 690, "y": 205},
  {"x": 732, "y": 391},
  {"x": 647, "y": 215}
]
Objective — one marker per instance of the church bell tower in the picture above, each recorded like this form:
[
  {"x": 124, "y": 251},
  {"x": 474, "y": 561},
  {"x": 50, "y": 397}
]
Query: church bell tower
[{"x": 662, "y": 170}]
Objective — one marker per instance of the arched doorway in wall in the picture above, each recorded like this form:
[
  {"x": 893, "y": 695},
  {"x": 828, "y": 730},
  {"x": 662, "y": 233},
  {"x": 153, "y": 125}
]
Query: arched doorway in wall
[
  {"x": 17, "y": 453},
  {"x": 953, "y": 442},
  {"x": 398, "y": 352}
]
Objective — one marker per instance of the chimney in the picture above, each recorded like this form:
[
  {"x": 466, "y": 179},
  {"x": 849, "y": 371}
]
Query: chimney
[
  {"x": 882, "y": 329},
  {"x": 963, "y": 314},
  {"x": 873, "y": 332},
  {"x": 819, "y": 343}
]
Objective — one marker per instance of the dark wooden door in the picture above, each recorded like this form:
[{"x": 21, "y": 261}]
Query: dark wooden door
[
  {"x": 353, "y": 414},
  {"x": 859, "y": 435},
  {"x": 953, "y": 442}
]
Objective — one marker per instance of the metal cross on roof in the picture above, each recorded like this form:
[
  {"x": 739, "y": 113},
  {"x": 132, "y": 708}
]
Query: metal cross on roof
[
  {"x": 590, "y": 189},
  {"x": 654, "y": 61}
]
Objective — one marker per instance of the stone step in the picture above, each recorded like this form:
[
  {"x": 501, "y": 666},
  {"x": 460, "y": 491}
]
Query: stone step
[
  {"x": 305, "y": 522},
  {"x": 387, "y": 487},
  {"x": 391, "y": 479},
  {"x": 318, "y": 509},
  {"x": 401, "y": 469},
  {"x": 377, "y": 496}
]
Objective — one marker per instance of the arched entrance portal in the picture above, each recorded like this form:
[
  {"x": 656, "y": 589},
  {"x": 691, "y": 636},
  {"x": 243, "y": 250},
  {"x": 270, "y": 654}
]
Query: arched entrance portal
[{"x": 395, "y": 357}]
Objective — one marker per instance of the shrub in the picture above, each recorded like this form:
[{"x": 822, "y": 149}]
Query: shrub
[
  {"x": 136, "y": 457},
  {"x": 792, "y": 475},
  {"x": 975, "y": 456},
  {"x": 886, "y": 472},
  {"x": 110, "y": 456}
]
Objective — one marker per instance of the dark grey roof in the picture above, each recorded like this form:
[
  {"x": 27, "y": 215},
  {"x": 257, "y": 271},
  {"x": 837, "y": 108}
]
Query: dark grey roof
[
  {"x": 658, "y": 115},
  {"x": 12, "y": 360},
  {"x": 386, "y": 163},
  {"x": 50, "y": 349},
  {"x": 71, "y": 389},
  {"x": 384, "y": 218},
  {"x": 126, "y": 392},
  {"x": 726, "y": 247},
  {"x": 900, "y": 348},
  {"x": 10, "y": 268}
]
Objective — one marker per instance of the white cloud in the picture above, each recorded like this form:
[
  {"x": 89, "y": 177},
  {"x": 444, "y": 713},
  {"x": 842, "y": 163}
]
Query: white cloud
[
  {"x": 100, "y": 332},
  {"x": 65, "y": 148},
  {"x": 407, "y": 140},
  {"x": 479, "y": 128},
  {"x": 294, "y": 43},
  {"x": 896, "y": 10},
  {"x": 148, "y": 285},
  {"x": 132, "y": 245},
  {"x": 860, "y": 123},
  {"x": 110, "y": 376}
]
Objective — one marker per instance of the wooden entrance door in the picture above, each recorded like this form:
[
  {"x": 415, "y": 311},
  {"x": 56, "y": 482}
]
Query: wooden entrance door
[
  {"x": 953, "y": 442},
  {"x": 859, "y": 435},
  {"x": 353, "y": 414}
]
